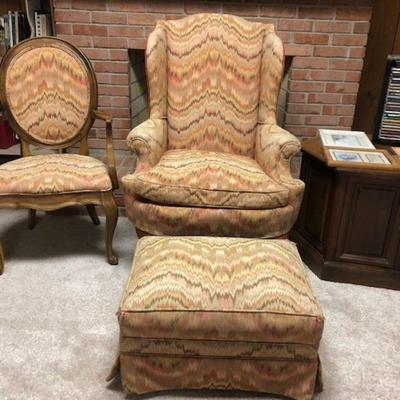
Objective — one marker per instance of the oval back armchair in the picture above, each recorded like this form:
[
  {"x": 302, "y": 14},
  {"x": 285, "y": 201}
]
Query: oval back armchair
[{"x": 48, "y": 92}]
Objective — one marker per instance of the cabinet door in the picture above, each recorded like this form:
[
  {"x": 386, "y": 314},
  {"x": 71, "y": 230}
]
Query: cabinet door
[{"x": 369, "y": 232}]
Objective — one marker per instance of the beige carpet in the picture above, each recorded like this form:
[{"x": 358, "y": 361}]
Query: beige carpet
[{"x": 58, "y": 329}]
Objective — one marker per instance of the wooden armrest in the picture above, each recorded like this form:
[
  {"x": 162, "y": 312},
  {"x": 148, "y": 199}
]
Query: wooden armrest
[
  {"x": 104, "y": 116},
  {"x": 107, "y": 118}
]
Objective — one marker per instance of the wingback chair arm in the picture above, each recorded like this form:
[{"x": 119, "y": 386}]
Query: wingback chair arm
[
  {"x": 107, "y": 118},
  {"x": 275, "y": 147},
  {"x": 149, "y": 141}
]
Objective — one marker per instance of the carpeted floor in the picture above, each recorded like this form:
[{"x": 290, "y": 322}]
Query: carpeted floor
[{"x": 59, "y": 332}]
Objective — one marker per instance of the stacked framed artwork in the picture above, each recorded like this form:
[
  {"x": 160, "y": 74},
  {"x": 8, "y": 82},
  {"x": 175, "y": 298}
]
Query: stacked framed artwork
[{"x": 349, "y": 149}]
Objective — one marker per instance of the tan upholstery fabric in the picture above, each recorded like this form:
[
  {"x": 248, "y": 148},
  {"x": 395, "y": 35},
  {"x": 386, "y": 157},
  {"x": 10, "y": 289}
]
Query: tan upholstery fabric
[
  {"x": 149, "y": 141},
  {"x": 48, "y": 91},
  {"x": 275, "y": 147},
  {"x": 213, "y": 84},
  {"x": 213, "y": 92},
  {"x": 53, "y": 174},
  {"x": 207, "y": 179},
  {"x": 162, "y": 219},
  {"x": 210, "y": 303}
]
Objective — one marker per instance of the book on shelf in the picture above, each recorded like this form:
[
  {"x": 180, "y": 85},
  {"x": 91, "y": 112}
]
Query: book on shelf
[
  {"x": 2, "y": 43},
  {"x": 387, "y": 124},
  {"x": 5, "y": 30},
  {"x": 11, "y": 27},
  {"x": 15, "y": 27}
]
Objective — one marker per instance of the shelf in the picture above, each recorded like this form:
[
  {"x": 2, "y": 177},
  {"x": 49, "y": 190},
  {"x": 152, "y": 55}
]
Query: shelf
[{"x": 15, "y": 5}]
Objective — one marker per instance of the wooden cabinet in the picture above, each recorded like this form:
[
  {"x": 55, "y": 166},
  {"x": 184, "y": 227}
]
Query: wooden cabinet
[{"x": 348, "y": 228}]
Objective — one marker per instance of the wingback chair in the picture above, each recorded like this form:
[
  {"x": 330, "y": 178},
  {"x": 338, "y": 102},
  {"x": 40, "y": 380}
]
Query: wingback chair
[
  {"x": 48, "y": 92},
  {"x": 211, "y": 158}
]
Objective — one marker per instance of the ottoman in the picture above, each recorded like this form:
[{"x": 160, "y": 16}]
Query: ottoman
[{"x": 219, "y": 313}]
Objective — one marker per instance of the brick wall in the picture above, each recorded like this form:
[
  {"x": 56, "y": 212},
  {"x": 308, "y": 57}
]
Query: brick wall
[{"x": 326, "y": 37}]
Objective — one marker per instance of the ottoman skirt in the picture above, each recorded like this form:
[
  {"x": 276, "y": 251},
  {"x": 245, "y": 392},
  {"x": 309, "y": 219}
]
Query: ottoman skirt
[{"x": 219, "y": 313}]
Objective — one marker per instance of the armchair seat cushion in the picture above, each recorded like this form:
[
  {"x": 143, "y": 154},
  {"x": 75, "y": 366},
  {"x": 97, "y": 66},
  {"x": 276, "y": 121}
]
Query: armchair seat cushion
[
  {"x": 53, "y": 174},
  {"x": 207, "y": 179}
]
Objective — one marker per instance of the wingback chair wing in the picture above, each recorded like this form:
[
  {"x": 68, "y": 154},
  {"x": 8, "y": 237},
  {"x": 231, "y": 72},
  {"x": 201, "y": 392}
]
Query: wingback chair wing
[
  {"x": 211, "y": 158},
  {"x": 48, "y": 92}
]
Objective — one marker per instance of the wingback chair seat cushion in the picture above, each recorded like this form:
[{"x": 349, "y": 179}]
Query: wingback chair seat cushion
[
  {"x": 53, "y": 174},
  {"x": 209, "y": 179}
]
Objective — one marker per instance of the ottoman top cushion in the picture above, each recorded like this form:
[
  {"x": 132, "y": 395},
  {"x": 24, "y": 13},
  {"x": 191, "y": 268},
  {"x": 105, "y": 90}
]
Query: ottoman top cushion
[{"x": 220, "y": 289}]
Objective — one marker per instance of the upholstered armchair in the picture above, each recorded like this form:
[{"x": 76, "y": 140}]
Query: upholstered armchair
[
  {"x": 211, "y": 158},
  {"x": 48, "y": 92}
]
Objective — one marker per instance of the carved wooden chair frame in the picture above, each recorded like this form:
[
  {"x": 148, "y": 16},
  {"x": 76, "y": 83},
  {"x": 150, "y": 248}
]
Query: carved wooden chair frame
[{"x": 56, "y": 201}]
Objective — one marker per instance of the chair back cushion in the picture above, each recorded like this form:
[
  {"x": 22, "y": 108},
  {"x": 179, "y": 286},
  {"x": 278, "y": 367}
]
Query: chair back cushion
[
  {"x": 48, "y": 90},
  {"x": 213, "y": 73}
]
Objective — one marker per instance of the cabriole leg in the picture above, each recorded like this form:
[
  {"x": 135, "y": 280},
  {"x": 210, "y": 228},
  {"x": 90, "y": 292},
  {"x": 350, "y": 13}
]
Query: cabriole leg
[
  {"x": 93, "y": 214},
  {"x": 111, "y": 211}
]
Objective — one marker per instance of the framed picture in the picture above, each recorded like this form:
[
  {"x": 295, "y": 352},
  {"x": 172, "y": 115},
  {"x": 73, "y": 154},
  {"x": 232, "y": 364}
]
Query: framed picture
[
  {"x": 345, "y": 139},
  {"x": 396, "y": 151},
  {"x": 355, "y": 158}
]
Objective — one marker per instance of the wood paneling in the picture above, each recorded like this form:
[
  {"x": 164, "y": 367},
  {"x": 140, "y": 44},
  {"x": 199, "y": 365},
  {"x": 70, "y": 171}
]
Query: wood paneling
[
  {"x": 383, "y": 39},
  {"x": 370, "y": 235},
  {"x": 315, "y": 202}
]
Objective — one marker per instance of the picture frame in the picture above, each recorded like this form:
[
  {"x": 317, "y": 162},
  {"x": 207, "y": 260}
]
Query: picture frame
[
  {"x": 362, "y": 159},
  {"x": 345, "y": 139},
  {"x": 396, "y": 151}
]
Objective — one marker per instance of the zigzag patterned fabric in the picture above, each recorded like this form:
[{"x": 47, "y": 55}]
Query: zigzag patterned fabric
[
  {"x": 212, "y": 70},
  {"x": 225, "y": 275},
  {"x": 207, "y": 179},
  {"x": 213, "y": 87},
  {"x": 53, "y": 174},
  {"x": 48, "y": 92},
  {"x": 223, "y": 313},
  {"x": 164, "y": 219}
]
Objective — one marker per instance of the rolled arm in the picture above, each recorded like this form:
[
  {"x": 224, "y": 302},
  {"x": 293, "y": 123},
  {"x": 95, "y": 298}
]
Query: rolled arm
[
  {"x": 149, "y": 141},
  {"x": 275, "y": 147},
  {"x": 109, "y": 146}
]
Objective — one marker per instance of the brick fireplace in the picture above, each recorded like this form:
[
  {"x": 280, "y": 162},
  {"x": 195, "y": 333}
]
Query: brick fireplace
[{"x": 325, "y": 38}]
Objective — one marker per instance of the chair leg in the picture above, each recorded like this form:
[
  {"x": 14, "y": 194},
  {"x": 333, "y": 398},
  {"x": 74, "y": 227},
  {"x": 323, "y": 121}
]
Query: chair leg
[
  {"x": 1, "y": 259},
  {"x": 92, "y": 214},
  {"x": 31, "y": 218},
  {"x": 111, "y": 211}
]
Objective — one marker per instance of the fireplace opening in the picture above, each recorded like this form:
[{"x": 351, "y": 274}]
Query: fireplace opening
[
  {"x": 284, "y": 92},
  {"x": 138, "y": 92}
]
